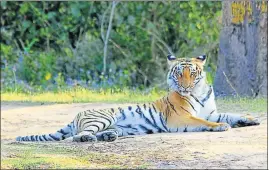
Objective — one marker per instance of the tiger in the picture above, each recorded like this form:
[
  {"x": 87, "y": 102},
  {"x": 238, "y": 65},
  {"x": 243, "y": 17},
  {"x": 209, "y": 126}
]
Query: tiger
[{"x": 189, "y": 106}]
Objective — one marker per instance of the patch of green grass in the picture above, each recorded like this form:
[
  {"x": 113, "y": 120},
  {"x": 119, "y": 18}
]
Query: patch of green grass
[
  {"x": 51, "y": 156},
  {"x": 243, "y": 105},
  {"x": 29, "y": 156},
  {"x": 81, "y": 95}
]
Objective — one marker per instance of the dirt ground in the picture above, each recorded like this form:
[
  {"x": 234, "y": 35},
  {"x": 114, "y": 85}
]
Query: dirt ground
[{"x": 240, "y": 148}]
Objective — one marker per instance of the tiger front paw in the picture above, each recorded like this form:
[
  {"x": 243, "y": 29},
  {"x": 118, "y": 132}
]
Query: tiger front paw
[
  {"x": 247, "y": 120},
  {"x": 220, "y": 127}
]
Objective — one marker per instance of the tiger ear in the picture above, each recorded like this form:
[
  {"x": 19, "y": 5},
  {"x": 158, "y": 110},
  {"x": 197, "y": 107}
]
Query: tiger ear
[
  {"x": 170, "y": 59},
  {"x": 201, "y": 59}
]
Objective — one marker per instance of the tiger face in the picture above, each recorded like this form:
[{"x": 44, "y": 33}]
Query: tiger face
[{"x": 185, "y": 73}]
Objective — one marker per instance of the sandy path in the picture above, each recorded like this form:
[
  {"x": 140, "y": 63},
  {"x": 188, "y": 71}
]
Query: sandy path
[{"x": 238, "y": 148}]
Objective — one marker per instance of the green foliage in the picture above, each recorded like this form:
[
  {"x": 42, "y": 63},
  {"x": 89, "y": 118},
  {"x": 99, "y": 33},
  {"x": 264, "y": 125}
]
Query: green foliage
[
  {"x": 82, "y": 95},
  {"x": 45, "y": 39}
]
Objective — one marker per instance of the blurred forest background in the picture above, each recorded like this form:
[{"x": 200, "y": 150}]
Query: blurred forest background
[
  {"x": 50, "y": 44},
  {"x": 47, "y": 46}
]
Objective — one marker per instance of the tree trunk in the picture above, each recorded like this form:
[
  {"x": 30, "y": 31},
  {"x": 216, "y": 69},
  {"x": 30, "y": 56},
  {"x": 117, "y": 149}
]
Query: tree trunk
[{"x": 242, "y": 59}]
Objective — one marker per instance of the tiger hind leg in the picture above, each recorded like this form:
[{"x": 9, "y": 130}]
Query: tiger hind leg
[
  {"x": 107, "y": 135},
  {"x": 85, "y": 136}
]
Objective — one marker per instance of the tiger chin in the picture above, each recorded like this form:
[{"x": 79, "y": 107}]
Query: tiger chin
[{"x": 188, "y": 107}]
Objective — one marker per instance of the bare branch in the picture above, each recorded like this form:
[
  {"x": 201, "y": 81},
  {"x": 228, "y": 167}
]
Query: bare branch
[
  {"x": 119, "y": 47},
  {"x": 114, "y": 3},
  {"x": 158, "y": 38},
  {"x": 228, "y": 81},
  {"x": 102, "y": 24}
]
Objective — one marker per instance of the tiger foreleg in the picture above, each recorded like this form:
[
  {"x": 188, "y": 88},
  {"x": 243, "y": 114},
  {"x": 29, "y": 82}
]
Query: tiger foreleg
[
  {"x": 234, "y": 120},
  {"x": 196, "y": 124},
  {"x": 108, "y": 135}
]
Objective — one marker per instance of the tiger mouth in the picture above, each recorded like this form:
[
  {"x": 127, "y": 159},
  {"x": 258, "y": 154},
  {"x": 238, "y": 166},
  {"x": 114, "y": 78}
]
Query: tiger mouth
[{"x": 185, "y": 92}]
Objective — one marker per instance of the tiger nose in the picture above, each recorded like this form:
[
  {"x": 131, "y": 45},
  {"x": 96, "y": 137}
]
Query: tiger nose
[{"x": 185, "y": 84}]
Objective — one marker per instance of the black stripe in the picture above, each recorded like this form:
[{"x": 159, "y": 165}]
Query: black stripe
[
  {"x": 44, "y": 136},
  {"x": 154, "y": 108},
  {"x": 32, "y": 138},
  {"x": 105, "y": 115},
  {"x": 132, "y": 114},
  {"x": 185, "y": 129},
  {"x": 100, "y": 116},
  {"x": 223, "y": 117},
  {"x": 193, "y": 107},
  {"x": 62, "y": 132},
  {"x": 78, "y": 118},
  {"x": 161, "y": 119},
  {"x": 219, "y": 118},
  {"x": 188, "y": 102},
  {"x": 110, "y": 114},
  {"x": 138, "y": 110},
  {"x": 172, "y": 106},
  {"x": 227, "y": 119},
  {"x": 36, "y": 138},
  {"x": 93, "y": 125},
  {"x": 122, "y": 113},
  {"x": 154, "y": 122},
  {"x": 185, "y": 109},
  {"x": 85, "y": 119},
  {"x": 130, "y": 108},
  {"x": 89, "y": 130},
  {"x": 203, "y": 129},
  {"x": 127, "y": 126},
  {"x": 145, "y": 129},
  {"x": 70, "y": 125},
  {"x": 145, "y": 107},
  {"x": 91, "y": 118},
  {"x": 208, "y": 95},
  {"x": 53, "y": 137},
  {"x": 152, "y": 117},
  {"x": 130, "y": 133},
  {"x": 210, "y": 114},
  {"x": 97, "y": 121},
  {"x": 197, "y": 100},
  {"x": 40, "y": 138},
  {"x": 197, "y": 81}
]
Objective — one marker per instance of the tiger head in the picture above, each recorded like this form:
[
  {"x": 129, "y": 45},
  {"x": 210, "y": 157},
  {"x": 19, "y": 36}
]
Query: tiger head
[{"x": 185, "y": 73}]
